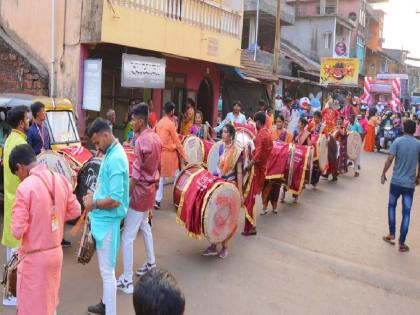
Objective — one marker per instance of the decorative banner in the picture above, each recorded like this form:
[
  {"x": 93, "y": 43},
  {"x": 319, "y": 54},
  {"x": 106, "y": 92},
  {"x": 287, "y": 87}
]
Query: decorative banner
[
  {"x": 142, "y": 72},
  {"x": 339, "y": 71}
]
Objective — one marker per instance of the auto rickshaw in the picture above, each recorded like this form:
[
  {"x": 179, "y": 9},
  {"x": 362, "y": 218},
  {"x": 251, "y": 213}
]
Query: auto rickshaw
[{"x": 68, "y": 156}]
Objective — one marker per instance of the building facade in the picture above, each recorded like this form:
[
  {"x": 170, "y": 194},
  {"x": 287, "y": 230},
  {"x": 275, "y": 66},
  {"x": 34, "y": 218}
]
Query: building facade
[{"x": 191, "y": 37}]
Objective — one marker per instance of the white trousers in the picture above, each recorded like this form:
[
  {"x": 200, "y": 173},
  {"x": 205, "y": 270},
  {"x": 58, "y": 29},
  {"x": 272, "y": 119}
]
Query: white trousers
[
  {"x": 109, "y": 283},
  {"x": 159, "y": 193},
  {"x": 134, "y": 221},
  {"x": 9, "y": 253}
]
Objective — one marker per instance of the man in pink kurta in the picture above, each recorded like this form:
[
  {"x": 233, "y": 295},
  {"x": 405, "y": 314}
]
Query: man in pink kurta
[
  {"x": 171, "y": 148},
  {"x": 142, "y": 197},
  {"x": 44, "y": 201}
]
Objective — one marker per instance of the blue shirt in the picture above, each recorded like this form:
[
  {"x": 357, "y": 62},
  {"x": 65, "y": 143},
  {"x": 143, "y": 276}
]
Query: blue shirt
[
  {"x": 356, "y": 127},
  {"x": 406, "y": 151},
  {"x": 112, "y": 183},
  {"x": 230, "y": 117},
  {"x": 34, "y": 137}
]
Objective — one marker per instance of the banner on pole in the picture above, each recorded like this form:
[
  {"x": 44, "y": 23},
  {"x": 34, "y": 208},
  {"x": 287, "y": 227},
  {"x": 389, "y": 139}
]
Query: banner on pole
[{"x": 339, "y": 71}]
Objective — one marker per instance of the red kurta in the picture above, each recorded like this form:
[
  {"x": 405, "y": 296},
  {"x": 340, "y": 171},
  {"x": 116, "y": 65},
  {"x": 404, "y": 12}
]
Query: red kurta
[
  {"x": 145, "y": 170},
  {"x": 263, "y": 146}
]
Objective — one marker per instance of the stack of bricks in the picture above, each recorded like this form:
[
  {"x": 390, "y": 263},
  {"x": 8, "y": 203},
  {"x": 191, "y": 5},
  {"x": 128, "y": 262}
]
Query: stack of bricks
[{"x": 17, "y": 75}]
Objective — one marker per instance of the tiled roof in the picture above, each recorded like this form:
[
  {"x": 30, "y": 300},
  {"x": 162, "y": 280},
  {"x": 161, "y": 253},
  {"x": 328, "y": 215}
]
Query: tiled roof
[
  {"x": 298, "y": 57},
  {"x": 254, "y": 69}
]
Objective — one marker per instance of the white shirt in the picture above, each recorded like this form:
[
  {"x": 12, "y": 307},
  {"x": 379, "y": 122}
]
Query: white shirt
[
  {"x": 230, "y": 117},
  {"x": 278, "y": 105}
]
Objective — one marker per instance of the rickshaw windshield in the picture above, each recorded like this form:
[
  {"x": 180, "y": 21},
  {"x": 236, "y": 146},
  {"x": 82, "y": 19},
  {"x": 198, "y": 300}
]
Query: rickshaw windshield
[{"x": 62, "y": 127}]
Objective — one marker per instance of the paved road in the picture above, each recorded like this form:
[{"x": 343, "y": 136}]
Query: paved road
[{"x": 323, "y": 255}]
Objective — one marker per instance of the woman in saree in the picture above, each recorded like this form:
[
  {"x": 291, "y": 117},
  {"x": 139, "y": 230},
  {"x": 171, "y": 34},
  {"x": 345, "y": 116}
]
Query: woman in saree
[
  {"x": 340, "y": 135},
  {"x": 315, "y": 128},
  {"x": 271, "y": 190},
  {"x": 301, "y": 137},
  {"x": 188, "y": 118},
  {"x": 230, "y": 167},
  {"x": 373, "y": 122},
  {"x": 198, "y": 128}
]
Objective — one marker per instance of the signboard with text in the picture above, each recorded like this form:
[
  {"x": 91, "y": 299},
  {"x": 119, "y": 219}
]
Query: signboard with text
[
  {"x": 339, "y": 71},
  {"x": 142, "y": 72},
  {"x": 92, "y": 84}
]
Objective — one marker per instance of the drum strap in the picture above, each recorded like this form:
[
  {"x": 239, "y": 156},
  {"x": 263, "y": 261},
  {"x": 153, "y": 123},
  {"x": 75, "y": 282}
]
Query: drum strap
[{"x": 52, "y": 193}]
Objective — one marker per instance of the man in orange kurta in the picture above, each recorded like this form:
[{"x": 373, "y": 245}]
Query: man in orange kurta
[
  {"x": 44, "y": 201},
  {"x": 171, "y": 148},
  {"x": 263, "y": 147}
]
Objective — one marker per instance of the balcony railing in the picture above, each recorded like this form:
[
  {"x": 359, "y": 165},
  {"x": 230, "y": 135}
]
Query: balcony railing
[{"x": 201, "y": 13}]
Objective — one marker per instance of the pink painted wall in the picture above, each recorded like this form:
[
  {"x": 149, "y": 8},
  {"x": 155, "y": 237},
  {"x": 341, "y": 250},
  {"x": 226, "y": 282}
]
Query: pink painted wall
[
  {"x": 195, "y": 72},
  {"x": 81, "y": 114}
]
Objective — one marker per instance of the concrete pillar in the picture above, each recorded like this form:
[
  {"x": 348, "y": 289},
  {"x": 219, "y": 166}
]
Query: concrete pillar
[
  {"x": 322, "y": 5},
  {"x": 252, "y": 30}
]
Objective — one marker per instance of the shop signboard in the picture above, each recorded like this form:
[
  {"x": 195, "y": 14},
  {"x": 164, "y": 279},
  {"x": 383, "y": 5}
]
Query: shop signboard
[
  {"x": 142, "y": 72},
  {"x": 92, "y": 84},
  {"x": 339, "y": 71}
]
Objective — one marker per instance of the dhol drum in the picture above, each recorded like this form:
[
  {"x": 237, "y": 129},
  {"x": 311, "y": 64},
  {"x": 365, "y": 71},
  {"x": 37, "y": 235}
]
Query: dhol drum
[
  {"x": 322, "y": 151},
  {"x": 207, "y": 147},
  {"x": 206, "y": 205},
  {"x": 213, "y": 157},
  {"x": 278, "y": 163},
  {"x": 87, "y": 178},
  {"x": 181, "y": 182},
  {"x": 246, "y": 139},
  {"x": 76, "y": 156},
  {"x": 309, "y": 166},
  {"x": 59, "y": 164},
  {"x": 194, "y": 149},
  {"x": 354, "y": 145},
  {"x": 298, "y": 168}
]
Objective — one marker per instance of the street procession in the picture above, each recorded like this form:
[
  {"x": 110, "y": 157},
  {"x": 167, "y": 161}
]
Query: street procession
[{"x": 261, "y": 158}]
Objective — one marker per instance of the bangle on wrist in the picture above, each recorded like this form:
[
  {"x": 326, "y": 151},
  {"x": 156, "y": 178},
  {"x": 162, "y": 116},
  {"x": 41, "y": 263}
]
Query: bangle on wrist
[{"x": 94, "y": 204}]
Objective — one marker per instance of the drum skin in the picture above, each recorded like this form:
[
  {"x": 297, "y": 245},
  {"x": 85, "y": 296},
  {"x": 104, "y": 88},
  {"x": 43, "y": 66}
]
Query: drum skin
[
  {"x": 309, "y": 166},
  {"x": 213, "y": 157},
  {"x": 87, "y": 178},
  {"x": 194, "y": 149},
  {"x": 57, "y": 163},
  {"x": 220, "y": 212},
  {"x": 323, "y": 153},
  {"x": 354, "y": 145},
  {"x": 181, "y": 183}
]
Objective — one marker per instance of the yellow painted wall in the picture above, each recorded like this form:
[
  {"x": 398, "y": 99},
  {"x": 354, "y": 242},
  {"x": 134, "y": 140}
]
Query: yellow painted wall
[{"x": 142, "y": 30}]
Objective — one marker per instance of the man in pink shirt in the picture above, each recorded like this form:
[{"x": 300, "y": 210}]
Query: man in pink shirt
[
  {"x": 44, "y": 201},
  {"x": 145, "y": 177}
]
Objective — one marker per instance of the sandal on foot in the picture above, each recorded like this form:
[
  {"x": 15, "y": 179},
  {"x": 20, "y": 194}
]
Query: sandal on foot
[
  {"x": 275, "y": 211},
  {"x": 390, "y": 239},
  {"x": 263, "y": 212},
  {"x": 404, "y": 248}
]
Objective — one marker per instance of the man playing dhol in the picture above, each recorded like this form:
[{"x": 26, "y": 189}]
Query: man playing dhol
[{"x": 107, "y": 206}]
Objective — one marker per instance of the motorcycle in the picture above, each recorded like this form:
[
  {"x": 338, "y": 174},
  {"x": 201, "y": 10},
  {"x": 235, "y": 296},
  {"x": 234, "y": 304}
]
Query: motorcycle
[{"x": 385, "y": 136}]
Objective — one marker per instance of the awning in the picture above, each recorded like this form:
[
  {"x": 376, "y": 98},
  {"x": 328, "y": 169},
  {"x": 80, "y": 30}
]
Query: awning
[{"x": 251, "y": 69}]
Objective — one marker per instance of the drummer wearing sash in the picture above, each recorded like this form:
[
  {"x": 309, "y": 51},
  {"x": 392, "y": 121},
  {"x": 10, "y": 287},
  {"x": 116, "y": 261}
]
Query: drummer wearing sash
[
  {"x": 230, "y": 169},
  {"x": 263, "y": 146},
  {"x": 301, "y": 137},
  {"x": 44, "y": 201},
  {"x": 315, "y": 128},
  {"x": 271, "y": 190},
  {"x": 38, "y": 136}
]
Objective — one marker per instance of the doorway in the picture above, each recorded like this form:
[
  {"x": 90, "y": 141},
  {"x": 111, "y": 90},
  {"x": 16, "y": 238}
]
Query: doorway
[{"x": 205, "y": 100}]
